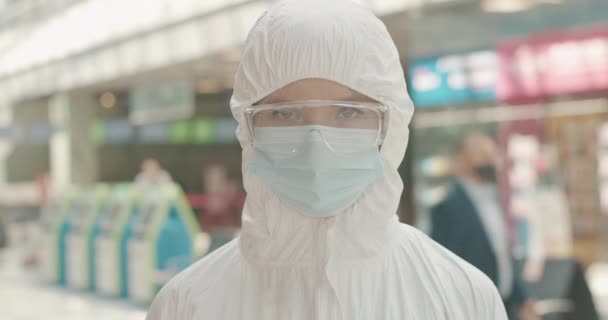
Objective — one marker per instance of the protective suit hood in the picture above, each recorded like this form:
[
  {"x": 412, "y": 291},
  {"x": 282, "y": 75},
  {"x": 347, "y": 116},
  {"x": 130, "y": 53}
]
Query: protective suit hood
[
  {"x": 341, "y": 42},
  {"x": 359, "y": 265}
]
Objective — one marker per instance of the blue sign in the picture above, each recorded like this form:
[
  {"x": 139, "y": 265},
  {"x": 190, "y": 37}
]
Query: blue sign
[
  {"x": 118, "y": 131},
  {"x": 7, "y": 133},
  {"x": 13, "y": 133},
  {"x": 225, "y": 131},
  {"x": 454, "y": 79},
  {"x": 41, "y": 132},
  {"x": 155, "y": 133}
]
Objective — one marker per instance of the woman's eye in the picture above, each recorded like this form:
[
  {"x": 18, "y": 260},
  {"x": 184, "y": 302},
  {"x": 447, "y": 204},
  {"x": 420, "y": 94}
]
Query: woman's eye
[
  {"x": 349, "y": 113},
  {"x": 284, "y": 114}
]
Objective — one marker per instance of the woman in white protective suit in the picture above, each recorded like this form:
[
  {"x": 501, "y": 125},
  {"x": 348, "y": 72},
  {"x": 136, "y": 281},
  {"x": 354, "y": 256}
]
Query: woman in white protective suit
[{"x": 323, "y": 115}]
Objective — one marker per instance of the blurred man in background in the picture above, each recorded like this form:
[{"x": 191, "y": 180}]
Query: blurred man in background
[
  {"x": 152, "y": 174},
  {"x": 471, "y": 223}
]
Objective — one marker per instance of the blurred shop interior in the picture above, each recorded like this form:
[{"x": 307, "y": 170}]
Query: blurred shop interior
[{"x": 90, "y": 89}]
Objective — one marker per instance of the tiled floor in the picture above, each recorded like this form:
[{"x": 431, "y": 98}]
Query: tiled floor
[{"x": 24, "y": 297}]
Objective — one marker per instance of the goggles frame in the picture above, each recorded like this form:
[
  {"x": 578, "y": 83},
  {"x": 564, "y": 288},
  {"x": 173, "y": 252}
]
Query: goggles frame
[{"x": 382, "y": 110}]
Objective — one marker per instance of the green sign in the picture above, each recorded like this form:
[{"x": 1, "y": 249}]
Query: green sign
[
  {"x": 180, "y": 132},
  {"x": 161, "y": 102},
  {"x": 97, "y": 130},
  {"x": 203, "y": 130},
  {"x": 193, "y": 131}
]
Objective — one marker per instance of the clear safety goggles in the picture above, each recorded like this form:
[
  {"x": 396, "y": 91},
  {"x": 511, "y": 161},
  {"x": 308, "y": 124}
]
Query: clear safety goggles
[{"x": 342, "y": 125}]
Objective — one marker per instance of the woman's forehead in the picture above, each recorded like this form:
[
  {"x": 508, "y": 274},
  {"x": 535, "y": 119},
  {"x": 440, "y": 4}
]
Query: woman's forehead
[{"x": 314, "y": 89}]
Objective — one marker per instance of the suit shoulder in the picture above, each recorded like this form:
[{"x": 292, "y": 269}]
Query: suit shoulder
[
  {"x": 447, "y": 264},
  {"x": 227, "y": 255},
  {"x": 465, "y": 287},
  {"x": 206, "y": 275}
]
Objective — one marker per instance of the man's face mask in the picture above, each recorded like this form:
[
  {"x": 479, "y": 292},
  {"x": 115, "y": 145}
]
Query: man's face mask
[
  {"x": 317, "y": 156},
  {"x": 487, "y": 173}
]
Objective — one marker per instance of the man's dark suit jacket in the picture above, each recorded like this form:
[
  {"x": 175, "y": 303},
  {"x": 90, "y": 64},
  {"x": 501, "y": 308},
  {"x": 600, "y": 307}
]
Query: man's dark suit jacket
[{"x": 456, "y": 225}]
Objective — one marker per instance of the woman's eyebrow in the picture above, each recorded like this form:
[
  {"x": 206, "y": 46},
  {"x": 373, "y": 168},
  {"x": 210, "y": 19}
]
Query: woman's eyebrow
[
  {"x": 357, "y": 97},
  {"x": 273, "y": 100}
]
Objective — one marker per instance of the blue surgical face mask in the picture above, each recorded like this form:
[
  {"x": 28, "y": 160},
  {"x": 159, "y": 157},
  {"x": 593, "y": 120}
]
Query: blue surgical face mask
[{"x": 316, "y": 177}]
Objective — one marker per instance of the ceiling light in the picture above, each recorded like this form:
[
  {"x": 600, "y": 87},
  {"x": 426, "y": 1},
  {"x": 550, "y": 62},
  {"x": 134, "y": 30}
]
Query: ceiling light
[
  {"x": 107, "y": 100},
  {"x": 208, "y": 86},
  {"x": 506, "y": 6}
]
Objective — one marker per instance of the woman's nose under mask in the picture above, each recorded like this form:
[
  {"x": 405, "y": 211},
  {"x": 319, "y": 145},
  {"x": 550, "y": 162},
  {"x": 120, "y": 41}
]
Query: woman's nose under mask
[{"x": 320, "y": 175}]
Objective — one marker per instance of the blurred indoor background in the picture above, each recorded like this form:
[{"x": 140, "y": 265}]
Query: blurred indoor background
[{"x": 104, "y": 102}]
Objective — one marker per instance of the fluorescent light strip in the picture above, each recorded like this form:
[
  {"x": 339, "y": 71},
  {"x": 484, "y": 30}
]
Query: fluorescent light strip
[{"x": 434, "y": 119}]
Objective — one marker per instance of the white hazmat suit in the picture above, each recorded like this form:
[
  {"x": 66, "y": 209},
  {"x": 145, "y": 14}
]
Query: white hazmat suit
[{"x": 359, "y": 265}]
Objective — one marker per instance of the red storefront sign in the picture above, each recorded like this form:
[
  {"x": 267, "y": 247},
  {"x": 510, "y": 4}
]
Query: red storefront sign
[{"x": 553, "y": 64}]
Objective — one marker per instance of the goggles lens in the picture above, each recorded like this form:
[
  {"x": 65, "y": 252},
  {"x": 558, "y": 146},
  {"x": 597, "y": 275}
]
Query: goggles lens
[
  {"x": 336, "y": 116},
  {"x": 342, "y": 126}
]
